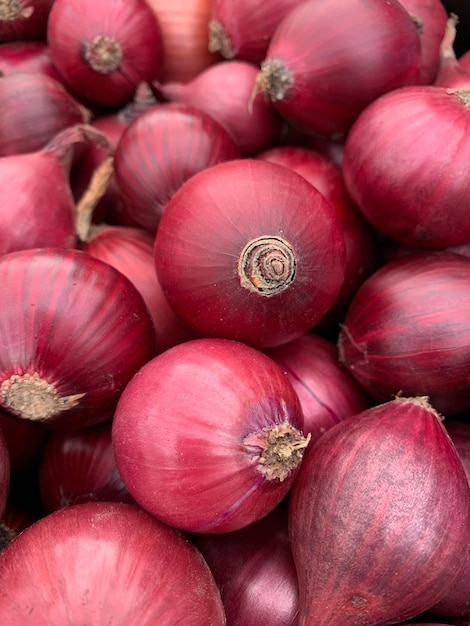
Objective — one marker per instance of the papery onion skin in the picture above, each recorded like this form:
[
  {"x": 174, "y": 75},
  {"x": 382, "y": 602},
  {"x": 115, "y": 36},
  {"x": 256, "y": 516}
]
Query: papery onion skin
[
  {"x": 78, "y": 466},
  {"x": 148, "y": 176},
  {"x": 407, "y": 331},
  {"x": 101, "y": 562},
  {"x": 361, "y": 50},
  {"x": 104, "y": 50},
  {"x": 404, "y": 179},
  {"x": 225, "y": 91},
  {"x": 327, "y": 392},
  {"x": 388, "y": 482},
  {"x": 255, "y": 572},
  {"x": 249, "y": 250},
  {"x": 24, "y": 20},
  {"x": 39, "y": 108},
  {"x": 191, "y": 436},
  {"x": 243, "y": 30},
  {"x": 74, "y": 331}
]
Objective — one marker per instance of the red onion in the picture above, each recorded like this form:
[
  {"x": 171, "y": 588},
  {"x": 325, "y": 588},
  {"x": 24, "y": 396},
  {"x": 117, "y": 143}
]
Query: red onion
[
  {"x": 131, "y": 251},
  {"x": 4, "y": 474},
  {"x": 27, "y": 56},
  {"x": 406, "y": 181},
  {"x": 407, "y": 330},
  {"x": 39, "y": 107},
  {"x": 254, "y": 570},
  {"x": 74, "y": 330},
  {"x": 249, "y": 250},
  {"x": 160, "y": 150},
  {"x": 359, "y": 239},
  {"x": 451, "y": 74},
  {"x": 14, "y": 520},
  {"x": 24, "y": 19},
  {"x": 37, "y": 206},
  {"x": 104, "y": 50},
  {"x": 464, "y": 61},
  {"x": 105, "y": 563},
  {"x": 379, "y": 517},
  {"x": 25, "y": 441},
  {"x": 328, "y": 59},
  {"x": 430, "y": 17},
  {"x": 224, "y": 91},
  {"x": 327, "y": 392},
  {"x": 79, "y": 466},
  {"x": 243, "y": 30},
  {"x": 207, "y": 436}
]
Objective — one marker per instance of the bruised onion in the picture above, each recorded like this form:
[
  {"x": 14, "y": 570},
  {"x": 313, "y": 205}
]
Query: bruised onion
[
  {"x": 74, "y": 331},
  {"x": 159, "y": 151},
  {"x": 327, "y": 60},
  {"x": 78, "y": 466},
  {"x": 208, "y": 436},
  {"x": 407, "y": 182},
  {"x": 379, "y": 517},
  {"x": 327, "y": 392},
  {"x": 249, "y": 250},
  {"x": 254, "y": 570},
  {"x": 104, "y": 50},
  {"x": 224, "y": 91},
  {"x": 39, "y": 108},
  {"x": 24, "y": 20},
  {"x": 407, "y": 330},
  {"x": 105, "y": 563}
]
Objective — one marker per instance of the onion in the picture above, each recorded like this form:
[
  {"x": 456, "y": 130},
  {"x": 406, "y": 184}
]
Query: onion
[
  {"x": 105, "y": 563},
  {"x": 464, "y": 61},
  {"x": 37, "y": 206},
  {"x": 27, "y": 56},
  {"x": 104, "y": 50},
  {"x": 451, "y": 74},
  {"x": 24, "y": 19},
  {"x": 243, "y": 30},
  {"x": 14, "y": 520},
  {"x": 404, "y": 179},
  {"x": 249, "y": 250},
  {"x": 207, "y": 436},
  {"x": 25, "y": 441},
  {"x": 79, "y": 466},
  {"x": 39, "y": 107},
  {"x": 131, "y": 251},
  {"x": 359, "y": 239},
  {"x": 327, "y": 392},
  {"x": 159, "y": 151},
  {"x": 254, "y": 570},
  {"x": 430, "y": 17},
  {"x": 74, "y": 331},
  {"x": 224, "y": 91},
  {"x": 407, "y": 330},
  {"x": 328, "y": 59},
  {"x": 379, "y": 517},
  {"x": 185, "y": 40},
  {"x": 4, "y": 474}
]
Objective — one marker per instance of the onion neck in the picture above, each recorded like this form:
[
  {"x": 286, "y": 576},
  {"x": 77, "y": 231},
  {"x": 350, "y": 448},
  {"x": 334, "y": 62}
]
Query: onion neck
[
  {"x": 11, "y": 10},
  {"x": 7, "y": 535},
  {"x": 219, "y": 41},
  {"x": 31, "y": 397},
  {"x": 274, "y": 80},
  {"x": 267, "y": 265},
  {"x": 279, "y": 450},
  {"x": 103, "y": 54}
]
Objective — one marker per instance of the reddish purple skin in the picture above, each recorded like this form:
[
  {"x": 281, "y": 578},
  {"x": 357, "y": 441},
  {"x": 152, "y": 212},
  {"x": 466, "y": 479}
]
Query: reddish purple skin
[
  {"x": 407, "y": 331},
  {"x": 101, "y": 563},
  {"x": 379, "y": 518}
]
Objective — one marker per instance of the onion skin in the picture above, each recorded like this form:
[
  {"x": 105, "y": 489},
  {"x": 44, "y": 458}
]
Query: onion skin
[
  {"x": 396, "y": 493},
  {"x": 360, "y": 51},
  {"x": 398, "y": 185},
  {"x": 25, "y": 20},
  {"x": 101, "y": 562},
  {"x": 255, "y": 572},
  {"x": 72, "y": 322},
  {"x": 189, "y": 436},
  {"x": 207, "y": 245},
  {"x": 79, "y": 466},
  {"x": 27, "y": 56},
  {"x": 25, "y": 441},
  {"x": 327, "y": 392},
  {"x": 407, "y": 331},
  {"x": 104, "y": 50},
  {"x": 148, "y": 176}
]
